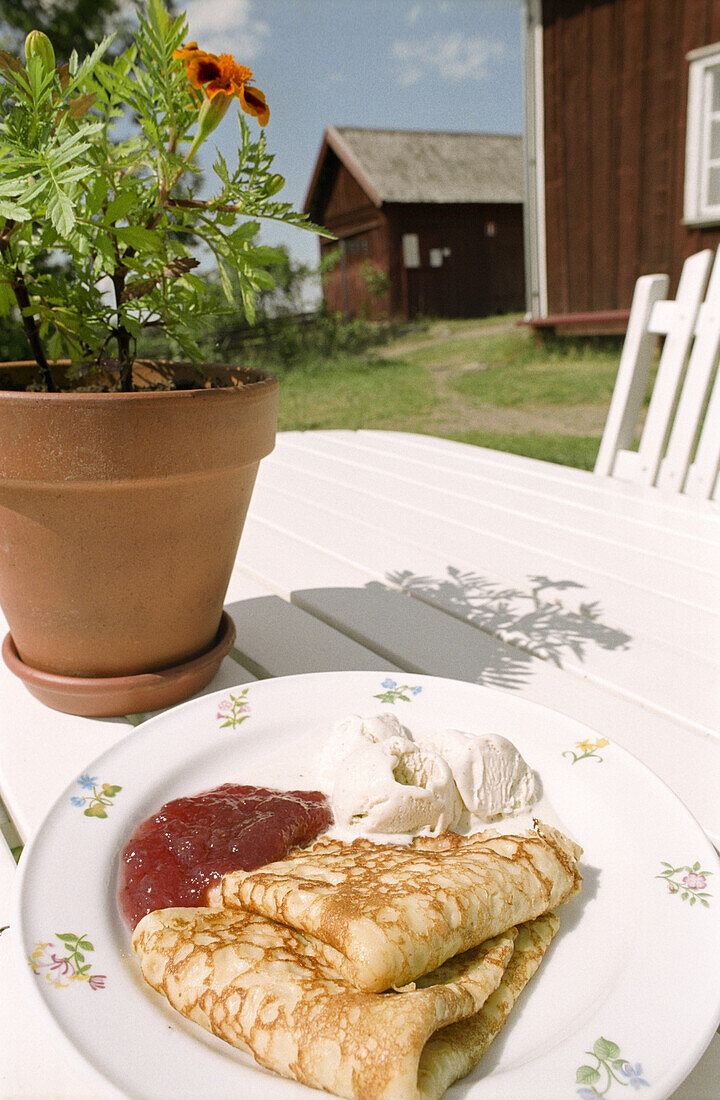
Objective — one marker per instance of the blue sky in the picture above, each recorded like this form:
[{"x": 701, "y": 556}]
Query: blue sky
[{"x": 396, "y": 64}]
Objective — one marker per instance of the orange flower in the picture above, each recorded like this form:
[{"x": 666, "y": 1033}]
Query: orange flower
[{"x": 215, "y": 73}]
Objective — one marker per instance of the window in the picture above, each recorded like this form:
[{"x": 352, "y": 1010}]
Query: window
[
  {"x": 702, "y": 155},
  {"x": 411, "y": 249},
  {"x": 356, "y": 246}
]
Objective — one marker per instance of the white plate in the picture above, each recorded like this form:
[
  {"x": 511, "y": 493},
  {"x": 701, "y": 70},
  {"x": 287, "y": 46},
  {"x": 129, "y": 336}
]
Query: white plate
[{"x": 628, "y": 993}]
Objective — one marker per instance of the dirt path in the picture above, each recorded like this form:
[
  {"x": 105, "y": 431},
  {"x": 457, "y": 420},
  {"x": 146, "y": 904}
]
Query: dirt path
[
  {"x": 456, "y": 413},
  {"x": 441, "y": 332}
]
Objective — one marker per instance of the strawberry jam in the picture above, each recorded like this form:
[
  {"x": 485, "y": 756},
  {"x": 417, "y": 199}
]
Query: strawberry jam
[{"x": 173, "y": 857}]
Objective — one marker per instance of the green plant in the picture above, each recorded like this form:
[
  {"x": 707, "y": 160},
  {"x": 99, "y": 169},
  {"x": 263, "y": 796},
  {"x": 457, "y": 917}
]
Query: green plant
[
  {"x": 377, "y": 281},
  {"x": 118, "y": 210}
]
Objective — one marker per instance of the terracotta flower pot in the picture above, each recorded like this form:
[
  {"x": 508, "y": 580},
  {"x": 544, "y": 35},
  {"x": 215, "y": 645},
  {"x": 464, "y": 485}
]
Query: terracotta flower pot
[{"x": 120, "y": 518}]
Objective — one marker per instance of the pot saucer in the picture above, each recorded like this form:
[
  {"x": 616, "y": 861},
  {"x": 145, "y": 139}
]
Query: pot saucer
[{"x": 112, "y": 696}]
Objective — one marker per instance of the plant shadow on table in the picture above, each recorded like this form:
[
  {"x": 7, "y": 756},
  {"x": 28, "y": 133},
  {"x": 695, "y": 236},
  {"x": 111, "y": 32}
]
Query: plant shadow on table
[
  {"x": 534, "y": 621},
  {"x": 465, "y": 626}
]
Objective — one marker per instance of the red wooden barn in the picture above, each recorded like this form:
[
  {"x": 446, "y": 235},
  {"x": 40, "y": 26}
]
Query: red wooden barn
[
  {"x": 427, "y": 222},
  {"x": 622, "y": 150}
]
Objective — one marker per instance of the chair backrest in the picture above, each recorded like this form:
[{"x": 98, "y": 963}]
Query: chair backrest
[{"x": 680, "y": 443}]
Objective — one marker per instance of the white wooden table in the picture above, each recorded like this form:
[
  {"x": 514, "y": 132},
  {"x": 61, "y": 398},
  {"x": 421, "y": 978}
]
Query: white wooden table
[{"x": 404, "y": 553}]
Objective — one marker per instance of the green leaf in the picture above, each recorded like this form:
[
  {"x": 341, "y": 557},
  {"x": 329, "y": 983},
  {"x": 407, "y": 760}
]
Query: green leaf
[
  {"x": 61, "y": 212},
  {"x": 158, "y": 17},
  {"x": 67, "y": 937},
  {"x": 605, "y": 1050},
  {"x": 226, "y": 281},
  {"x": 119, "y": 206},
  {"x": 109, "y": 790},
  {"x": 221, "y": 169},
  {"x": 262, "y": 280},
  {"x": 586, "y": 1075},
  {"x": 139, "y": 238},
  {"x": 8, "y": 301},
  {"x": 12, "y": 210},
  {"x": 264, "y": 254},
  {"x": 82, "y": 72},
  {"x": 246, "y": 231},
  {"x": 248, "y": 301}
]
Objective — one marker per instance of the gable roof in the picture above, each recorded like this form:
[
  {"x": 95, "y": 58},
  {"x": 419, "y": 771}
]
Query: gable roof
[{"x": 424, "y": 165}]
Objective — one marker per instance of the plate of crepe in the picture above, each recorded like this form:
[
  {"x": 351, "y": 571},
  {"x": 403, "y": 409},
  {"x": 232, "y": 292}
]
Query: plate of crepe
[{"x": 581, "y": 994}]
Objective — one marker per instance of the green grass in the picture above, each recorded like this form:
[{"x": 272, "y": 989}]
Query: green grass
[
  {"x": 585, "y": 382},
  {"x": 353, "y": 393},
  {"x": 568, "y": 450},
  {"x": 487, "y": 381}
]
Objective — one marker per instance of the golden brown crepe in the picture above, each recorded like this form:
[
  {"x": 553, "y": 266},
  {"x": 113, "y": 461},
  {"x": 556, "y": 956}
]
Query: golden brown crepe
[
  {"x": 454, "y": 1051},
  {"x": 387, "y": 914},
  {"x": 261, "y": 986}
]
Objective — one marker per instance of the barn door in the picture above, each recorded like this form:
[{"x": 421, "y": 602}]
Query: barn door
[{"x": 429, "y": 283}]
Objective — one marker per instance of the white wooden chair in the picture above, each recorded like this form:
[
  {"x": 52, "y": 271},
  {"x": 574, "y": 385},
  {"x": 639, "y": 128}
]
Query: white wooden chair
[{"x": 679, "y": 448}]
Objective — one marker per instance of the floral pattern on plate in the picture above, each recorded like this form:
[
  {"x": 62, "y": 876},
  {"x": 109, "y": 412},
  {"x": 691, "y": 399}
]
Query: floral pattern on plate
[
  {"x": 233, "y": 710},
  {"x": 96, "y": 802},
  {"x": 48, "y": 961},
  {"x": 395, "y": 692},
  {"x": 690, "y": 885},
  {"x": 610, "y": 1069},
  {"x": 588, "y": 750}
]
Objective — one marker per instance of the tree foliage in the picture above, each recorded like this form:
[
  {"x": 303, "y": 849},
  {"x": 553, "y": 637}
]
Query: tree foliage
[{"x": 75, "y": 25}]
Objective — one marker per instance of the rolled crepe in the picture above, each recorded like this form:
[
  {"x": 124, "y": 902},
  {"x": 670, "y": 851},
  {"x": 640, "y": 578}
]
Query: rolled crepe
[
  {"x": 454, "y": 1051},
  {"x": 387, "y": 914},
  {"x": 261, "y": 987}
]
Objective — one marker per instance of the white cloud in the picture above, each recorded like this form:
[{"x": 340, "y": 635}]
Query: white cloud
[
  {"x": 452, "y": 56},
  {"x": 227, "y": 26}
]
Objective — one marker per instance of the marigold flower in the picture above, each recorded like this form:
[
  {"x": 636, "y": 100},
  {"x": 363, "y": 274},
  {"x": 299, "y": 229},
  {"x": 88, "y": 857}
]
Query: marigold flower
[{"x": 220, "y": 73}]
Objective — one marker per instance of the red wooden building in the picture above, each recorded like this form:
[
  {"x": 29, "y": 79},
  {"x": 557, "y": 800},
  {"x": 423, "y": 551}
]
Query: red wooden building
[
  {"x": 427, "y": 222},
  {"x": 622, "y": 150}
]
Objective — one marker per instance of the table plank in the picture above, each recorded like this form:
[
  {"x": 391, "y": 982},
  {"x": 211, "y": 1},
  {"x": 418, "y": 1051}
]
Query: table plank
[
  {"x": 589, "y": 646},
  {"x": 702, "y": 1084},
  {"x": 277, "y": 638},
  {"x": 409, "y": 472},
  {"x": 649, "y": 589},
  {"x": 670, "y": 510}
]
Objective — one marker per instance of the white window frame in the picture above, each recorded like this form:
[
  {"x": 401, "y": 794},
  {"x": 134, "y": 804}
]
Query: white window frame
[{"x": 698, "y": 210}]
